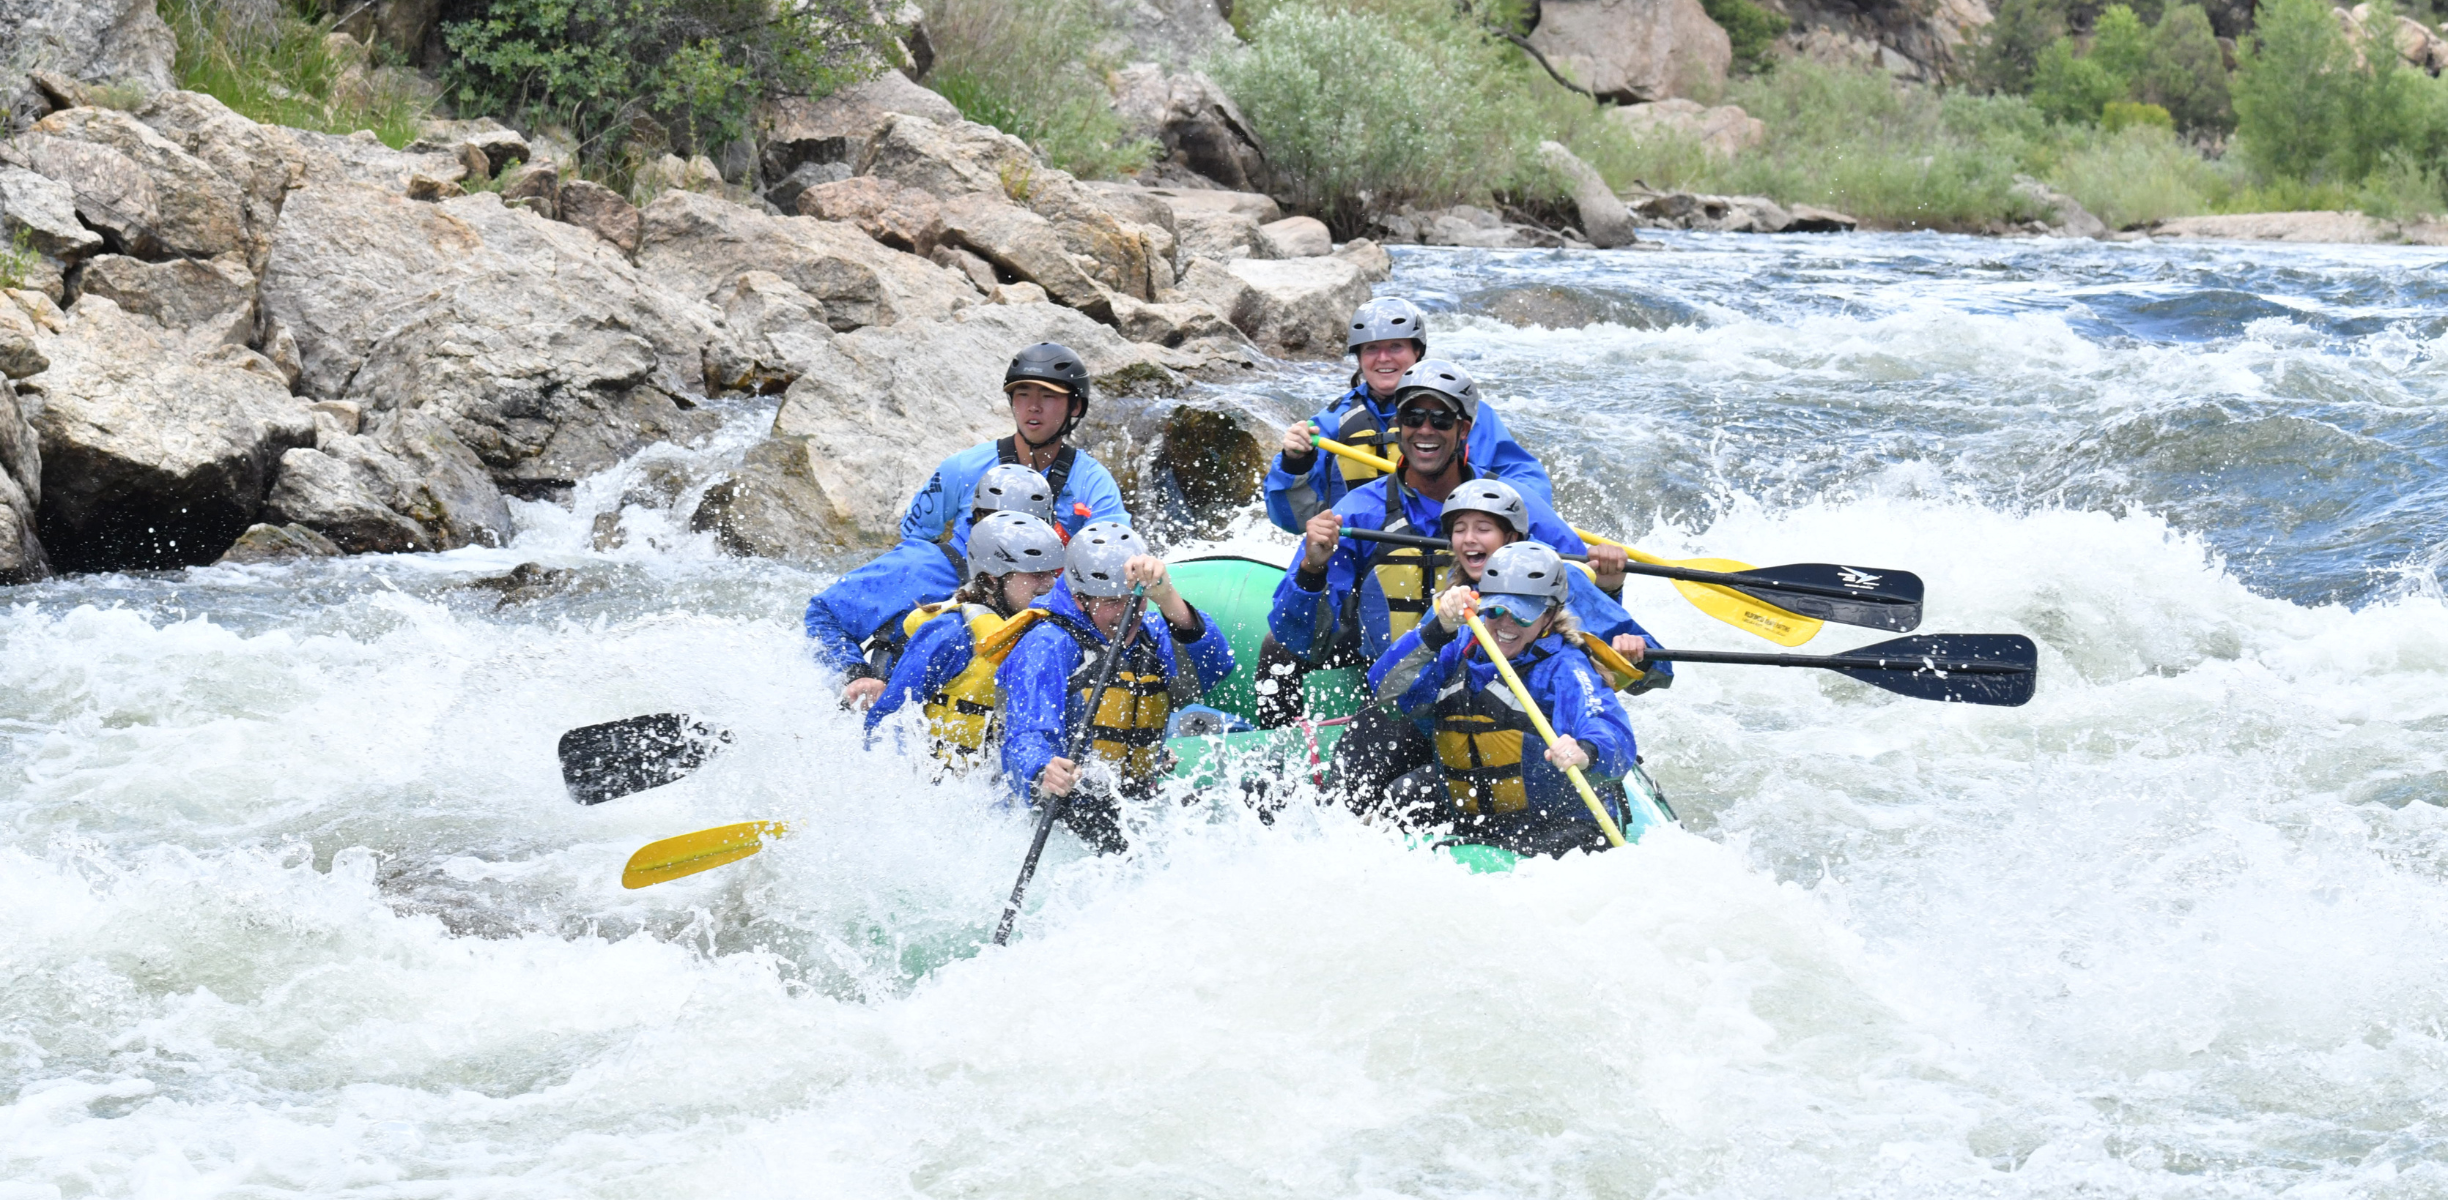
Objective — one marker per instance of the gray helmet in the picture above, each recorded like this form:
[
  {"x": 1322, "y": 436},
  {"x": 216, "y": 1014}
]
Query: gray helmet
[
  {"x": 1494, "y": 497},
  {"x": 1386, "y": 319},
  {"x": 1052, "y": 363},
  {"x": 1527, "y": 569},
  {"x": 1010, "y": 487},
  {"x": 1006, "y": 542},
  {"x": 1435, "y": 376},
  {"x": 1093, "y": 564}
]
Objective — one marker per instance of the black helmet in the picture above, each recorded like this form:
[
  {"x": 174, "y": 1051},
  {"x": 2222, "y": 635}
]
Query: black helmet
[{"x": 1052, "y": 363}]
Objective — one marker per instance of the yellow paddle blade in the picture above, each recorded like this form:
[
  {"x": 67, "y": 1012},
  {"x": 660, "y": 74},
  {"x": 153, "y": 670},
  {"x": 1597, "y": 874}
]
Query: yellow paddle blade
[
  {"x": 685, "y": 855},
  {"x": 1727, "y": 605}
]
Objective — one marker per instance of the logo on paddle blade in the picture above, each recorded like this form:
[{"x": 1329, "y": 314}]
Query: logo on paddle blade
[{"x": 1855, "y": 577}]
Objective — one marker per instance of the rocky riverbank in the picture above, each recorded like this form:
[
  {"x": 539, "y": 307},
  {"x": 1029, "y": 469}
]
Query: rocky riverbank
[{"x": 231, "y": 326}]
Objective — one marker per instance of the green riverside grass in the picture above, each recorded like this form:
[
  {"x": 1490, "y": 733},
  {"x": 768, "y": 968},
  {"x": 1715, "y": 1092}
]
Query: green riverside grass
[{"x": 285, "y": 72}]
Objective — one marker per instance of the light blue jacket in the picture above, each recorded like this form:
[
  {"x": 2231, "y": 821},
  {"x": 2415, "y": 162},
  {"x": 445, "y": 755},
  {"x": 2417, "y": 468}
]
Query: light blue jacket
[
  {"x": 943, "y": 504},
  {"x": 858, "y": 604}
]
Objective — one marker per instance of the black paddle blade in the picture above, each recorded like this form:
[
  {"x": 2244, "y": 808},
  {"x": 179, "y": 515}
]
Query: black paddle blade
[
  {"x": 1845, "y": 595},
  {"x": 600, "y": 762},
  {"x": 1960, "y": 668}
]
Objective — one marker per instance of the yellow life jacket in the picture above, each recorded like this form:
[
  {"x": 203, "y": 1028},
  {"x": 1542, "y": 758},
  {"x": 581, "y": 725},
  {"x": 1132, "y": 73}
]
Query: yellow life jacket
[
  {"x": 1406, "y": 575},
  {"x": 1481, "y": 734},
  {"x": 1359, "y": 431},
  {"x": 1126, "y": 724},
  {"x": 961, "y": 714}
]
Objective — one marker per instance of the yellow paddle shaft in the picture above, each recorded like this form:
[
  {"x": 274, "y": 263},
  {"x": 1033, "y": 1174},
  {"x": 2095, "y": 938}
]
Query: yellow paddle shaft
[
  {"x": 1354, "y": 453},
  {"x": 1487, "y": 642},
  {"x": 685, "y": 855},
  {"x": 1638, "y": 556}
]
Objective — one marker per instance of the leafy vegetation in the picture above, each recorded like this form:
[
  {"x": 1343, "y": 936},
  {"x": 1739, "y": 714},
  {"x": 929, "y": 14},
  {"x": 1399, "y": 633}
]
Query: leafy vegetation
[
  {"x": 17, "y": 259},
  {"x": 1033, "y": 69},
  {"x": 1752, "y": 29},
  {"x": 632, "y": 77},
  {"x": 292, "y": 71}
]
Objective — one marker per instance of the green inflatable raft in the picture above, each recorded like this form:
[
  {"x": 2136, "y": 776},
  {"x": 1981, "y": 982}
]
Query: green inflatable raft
[{"x": 1236, "y": 593}]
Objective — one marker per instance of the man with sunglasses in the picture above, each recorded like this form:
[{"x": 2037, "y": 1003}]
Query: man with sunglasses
[
  {"x": 1488, "y": 779},
  {"x": 1388, "y": 336},
  {"x": 1344, "y": 600}
]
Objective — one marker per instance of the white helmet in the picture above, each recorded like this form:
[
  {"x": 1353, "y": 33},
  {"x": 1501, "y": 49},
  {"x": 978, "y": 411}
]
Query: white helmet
[
  {"x": 1527, "y": 569},
  {"x": 1387, "y": 319},
  {"x": 1008, "y": 542},
  {"x": 1010, "y": 487},
  {"x": 1494, "y": 497},
  {"x": 1436, "y": 377},
  {"x": 1093, "y": 565}
]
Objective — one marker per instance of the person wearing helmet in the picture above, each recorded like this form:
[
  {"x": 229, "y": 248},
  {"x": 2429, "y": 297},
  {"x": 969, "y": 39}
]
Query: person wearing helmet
[
  {"x": 1490, "y": 780},
  {"x": 949, "y": 666},
  {"x": 855, "y": 626},
  {"x": 1048, "y": 390},
  {"x": 1486, "y": 515},
  {"x": 1045, "y": 679},
  {"x": 1343, "y": 600},
  {"x": 1388, "y": 336}
]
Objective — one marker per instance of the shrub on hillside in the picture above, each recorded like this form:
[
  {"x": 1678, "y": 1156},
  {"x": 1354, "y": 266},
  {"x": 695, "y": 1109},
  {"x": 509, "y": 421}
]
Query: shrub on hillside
[
  {"x": 2010, "y": 47},
  {"x": 2072, "y": 87},
  {"x": 1362, "y": 109},
  {"x": 1753, "y": 30},
  {"x": 2310, "y": 105},
  {"x": 286, "y": 70},
  {"x": 1034, "y": 71},
  {"x": 2187, "y": 72},
  {"x": 690, "y": 69}
]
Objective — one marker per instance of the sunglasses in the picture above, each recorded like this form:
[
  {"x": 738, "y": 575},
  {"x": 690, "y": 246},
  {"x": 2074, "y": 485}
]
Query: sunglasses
[
  {"x": 1435, "y": 418},
  {"x": 1521, "y": 610}
]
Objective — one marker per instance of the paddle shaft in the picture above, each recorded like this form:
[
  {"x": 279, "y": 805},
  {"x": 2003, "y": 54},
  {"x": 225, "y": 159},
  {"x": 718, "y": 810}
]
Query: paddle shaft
[
  {"x": 1487, "y": 642},
  {"x": 1051, "y": 806},
  {"x": 1636, "y": 567},
  {"x": 1354, "y": 453},
  {"x": 1857, "y": 662},
  {"x": 1424, "y": 543}
]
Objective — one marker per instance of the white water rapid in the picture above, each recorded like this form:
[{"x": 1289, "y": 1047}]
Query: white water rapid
[{"x": 292, "y": 903}]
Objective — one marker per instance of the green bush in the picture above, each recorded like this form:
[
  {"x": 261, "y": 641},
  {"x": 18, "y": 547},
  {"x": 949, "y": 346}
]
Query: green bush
[
  {"x": 1752, "y": 29},
  {"x": 287, "y": 72},
  {"x": 2127, "y": 114},
  {"x": 2187, "y": 72},
  {"x": 2307, "y": 109},
  {"x": 2138, "y": 174},
  {"x": 1032, "y": 69},
  {"x": 618, "y": 72},
  {"x": 2010, "y": 47},
  {"x": 2120, "y": 44},
  {"x": 2071, "y": 87},
  {"x": 1378, "y": 106}
]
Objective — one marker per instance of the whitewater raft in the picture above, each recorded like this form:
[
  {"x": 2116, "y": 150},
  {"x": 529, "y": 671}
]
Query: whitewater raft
[{"x": 1225, "y": 748}]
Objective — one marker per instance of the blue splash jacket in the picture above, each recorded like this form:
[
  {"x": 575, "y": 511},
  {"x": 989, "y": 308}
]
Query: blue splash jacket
[
  {"x": 1292, "y": 499},
  {"x": 1038, "y": 707}
]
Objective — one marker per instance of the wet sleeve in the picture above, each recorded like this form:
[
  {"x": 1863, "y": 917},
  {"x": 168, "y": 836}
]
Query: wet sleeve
[
  {"x": 1494, "y": 452},
  {"x": 1406, "y": 677},
  {"x": 1300, "y": 619},
  {"x": 1033, "y": 700},
  {"x": 939, "y": 652},
  {"x": 1293, "y": 496},
  {"x": 1210, "y": 653},
  {"x": 830, "y": 619},
  {"x": 1581, "y": 708}
]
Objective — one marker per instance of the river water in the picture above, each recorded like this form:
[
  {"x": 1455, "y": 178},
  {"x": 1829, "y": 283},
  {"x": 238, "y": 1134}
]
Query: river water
[{"x": 292, "y": 903}]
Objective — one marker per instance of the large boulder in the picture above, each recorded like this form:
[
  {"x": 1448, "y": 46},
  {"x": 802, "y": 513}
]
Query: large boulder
[
  {"x": 2064, "y": 215},
  {"x": 539, "y": 345},
  {"x": 1293, "y": 308},
  {"x": 154, "y": 454},
  {"x": 975, "y": 164},
  {"x": 1630, "y": 51},
  {"x": 903, "y": 218},
  {"x": 1604, "y": 220},
  {"x": 696, "y": 245},
  {"x": 1028, "y": 246},
  {"x": 778, "y": 328},
  {"x": 1196, "y": 123},
  {"x": 151, "y": 197},
  {"x": 1725, "y": 130},
  {"x": 43, "y": 211},
  {"x": 21, "y": 554},
  {"x": 775, "y": 505},
  {"x": 2351, "y": 228},
  {"x": 887, "y": 404},
  {"x": 215, "y": 297},
  {"x": 406, "y": 483},
  {"x": 842, "y": 127},
  {"x": 262, "y": 161},
  {"x": 98, "y": 41}
]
